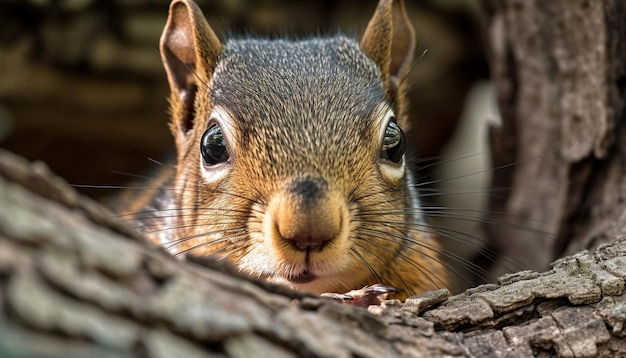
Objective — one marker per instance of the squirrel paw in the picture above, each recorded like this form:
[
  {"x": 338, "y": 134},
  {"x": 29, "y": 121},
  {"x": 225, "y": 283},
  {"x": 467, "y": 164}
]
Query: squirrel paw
[{"x": 367, "y": 296}]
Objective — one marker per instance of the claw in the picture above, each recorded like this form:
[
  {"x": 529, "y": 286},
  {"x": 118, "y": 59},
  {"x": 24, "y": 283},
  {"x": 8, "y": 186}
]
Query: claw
[
  {"x": 343, "y": 297},
  {"x": 365, "y": 297}
]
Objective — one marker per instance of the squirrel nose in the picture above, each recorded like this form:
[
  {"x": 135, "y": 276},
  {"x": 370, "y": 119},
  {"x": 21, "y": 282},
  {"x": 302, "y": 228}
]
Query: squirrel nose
[{"x": 307, "y": 217}]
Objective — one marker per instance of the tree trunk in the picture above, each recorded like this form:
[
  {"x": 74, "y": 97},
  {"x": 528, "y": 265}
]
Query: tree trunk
[{"x": 560, "y": 73}]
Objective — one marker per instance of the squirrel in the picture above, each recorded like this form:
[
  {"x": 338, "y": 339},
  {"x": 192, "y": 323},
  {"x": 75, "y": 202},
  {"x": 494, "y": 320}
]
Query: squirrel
[{"x": 291, "y": 158}]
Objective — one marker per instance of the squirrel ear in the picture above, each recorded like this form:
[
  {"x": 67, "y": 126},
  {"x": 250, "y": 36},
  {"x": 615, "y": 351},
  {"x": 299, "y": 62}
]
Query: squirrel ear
[
  {"x": 389, "y": 40},
  {"x": 189, "y": 51}
]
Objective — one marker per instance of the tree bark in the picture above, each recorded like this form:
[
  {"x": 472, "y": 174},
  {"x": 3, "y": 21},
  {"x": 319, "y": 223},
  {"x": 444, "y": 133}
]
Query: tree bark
[
  {"x": 560, "y": 74},
  {"x": 74, "y": 282}
]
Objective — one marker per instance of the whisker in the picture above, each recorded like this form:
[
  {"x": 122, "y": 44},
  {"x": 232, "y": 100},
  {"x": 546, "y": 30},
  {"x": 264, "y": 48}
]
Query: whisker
[
  {"x": 342, "y": 283},
  {"x": 226, "y": 247},
  {"x": 468, "y": 239},
  {"x": 457, "y": 236},
  {"x": 149, "y": 214},
  {"x": 421, "y": 184},
  {"x": 188, "y": 226},
  {"x": 443, "y": 212},
  {"x": 389, "y": 267},
  {"x": 424, "y": 271},
  {"x": 441, "y": 192},
  {"x": 119, "y": 187},
  {"x": 369, "y": 267},
  {"x": 132, "y": 175},
  {"x": 508, "y": 262},
  {"x": 159, "y": 188},
  {"x": 434, "y": 161},
  {"x": 155, "y": 161},
  {"x": 404, "y": 237},
  {"x": 445, "y": 180},
  {"x": 175, "y": 242}
]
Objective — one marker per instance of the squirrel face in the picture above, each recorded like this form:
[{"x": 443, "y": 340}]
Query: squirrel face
[{"x": 290, "y": 154}]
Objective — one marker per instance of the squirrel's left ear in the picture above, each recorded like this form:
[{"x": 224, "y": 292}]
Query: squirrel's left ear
[
  {"x": 389, "y": 40},
  {"x": 189, "y": 50}
]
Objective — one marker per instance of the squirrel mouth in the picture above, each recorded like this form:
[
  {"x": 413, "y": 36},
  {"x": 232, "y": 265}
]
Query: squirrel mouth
[{"x": 305, "y": 276}]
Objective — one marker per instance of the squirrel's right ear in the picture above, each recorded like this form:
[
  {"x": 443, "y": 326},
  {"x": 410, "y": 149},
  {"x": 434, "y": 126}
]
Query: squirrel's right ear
[
  {"x": 189, "y": 51},
  {"x": 389, "y": 40}
]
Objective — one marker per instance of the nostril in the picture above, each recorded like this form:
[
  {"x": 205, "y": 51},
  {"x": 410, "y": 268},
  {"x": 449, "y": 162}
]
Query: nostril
[
  {"x": 306, "y": 230},
  {"x": 307, "y": 243},
  {"x": 305, "y": 215}
]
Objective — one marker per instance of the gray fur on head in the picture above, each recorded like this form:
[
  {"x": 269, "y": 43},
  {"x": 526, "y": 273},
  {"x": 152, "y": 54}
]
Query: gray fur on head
[{"x": 299, "y": 94}]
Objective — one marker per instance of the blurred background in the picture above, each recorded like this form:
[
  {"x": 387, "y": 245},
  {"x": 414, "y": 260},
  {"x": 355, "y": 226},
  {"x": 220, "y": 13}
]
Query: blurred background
[{"x": 82, "y": 87}]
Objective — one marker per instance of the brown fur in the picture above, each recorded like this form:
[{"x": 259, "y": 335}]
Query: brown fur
[{"x": 305, "y": 191}]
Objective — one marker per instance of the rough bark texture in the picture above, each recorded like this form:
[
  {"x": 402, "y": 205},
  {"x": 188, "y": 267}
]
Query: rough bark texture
[
  {"x": 560, "y": 74},
  {"x": 74, "y": 283}
]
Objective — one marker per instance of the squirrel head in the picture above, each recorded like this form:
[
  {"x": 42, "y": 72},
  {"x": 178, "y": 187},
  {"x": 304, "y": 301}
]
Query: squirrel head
[{"x": 290, "y": 153}]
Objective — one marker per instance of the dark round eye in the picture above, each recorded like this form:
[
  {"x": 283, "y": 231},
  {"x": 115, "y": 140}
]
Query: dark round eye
[
  {"x": 394, "y": 143},
  {"x": 213, "y": 146}
]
